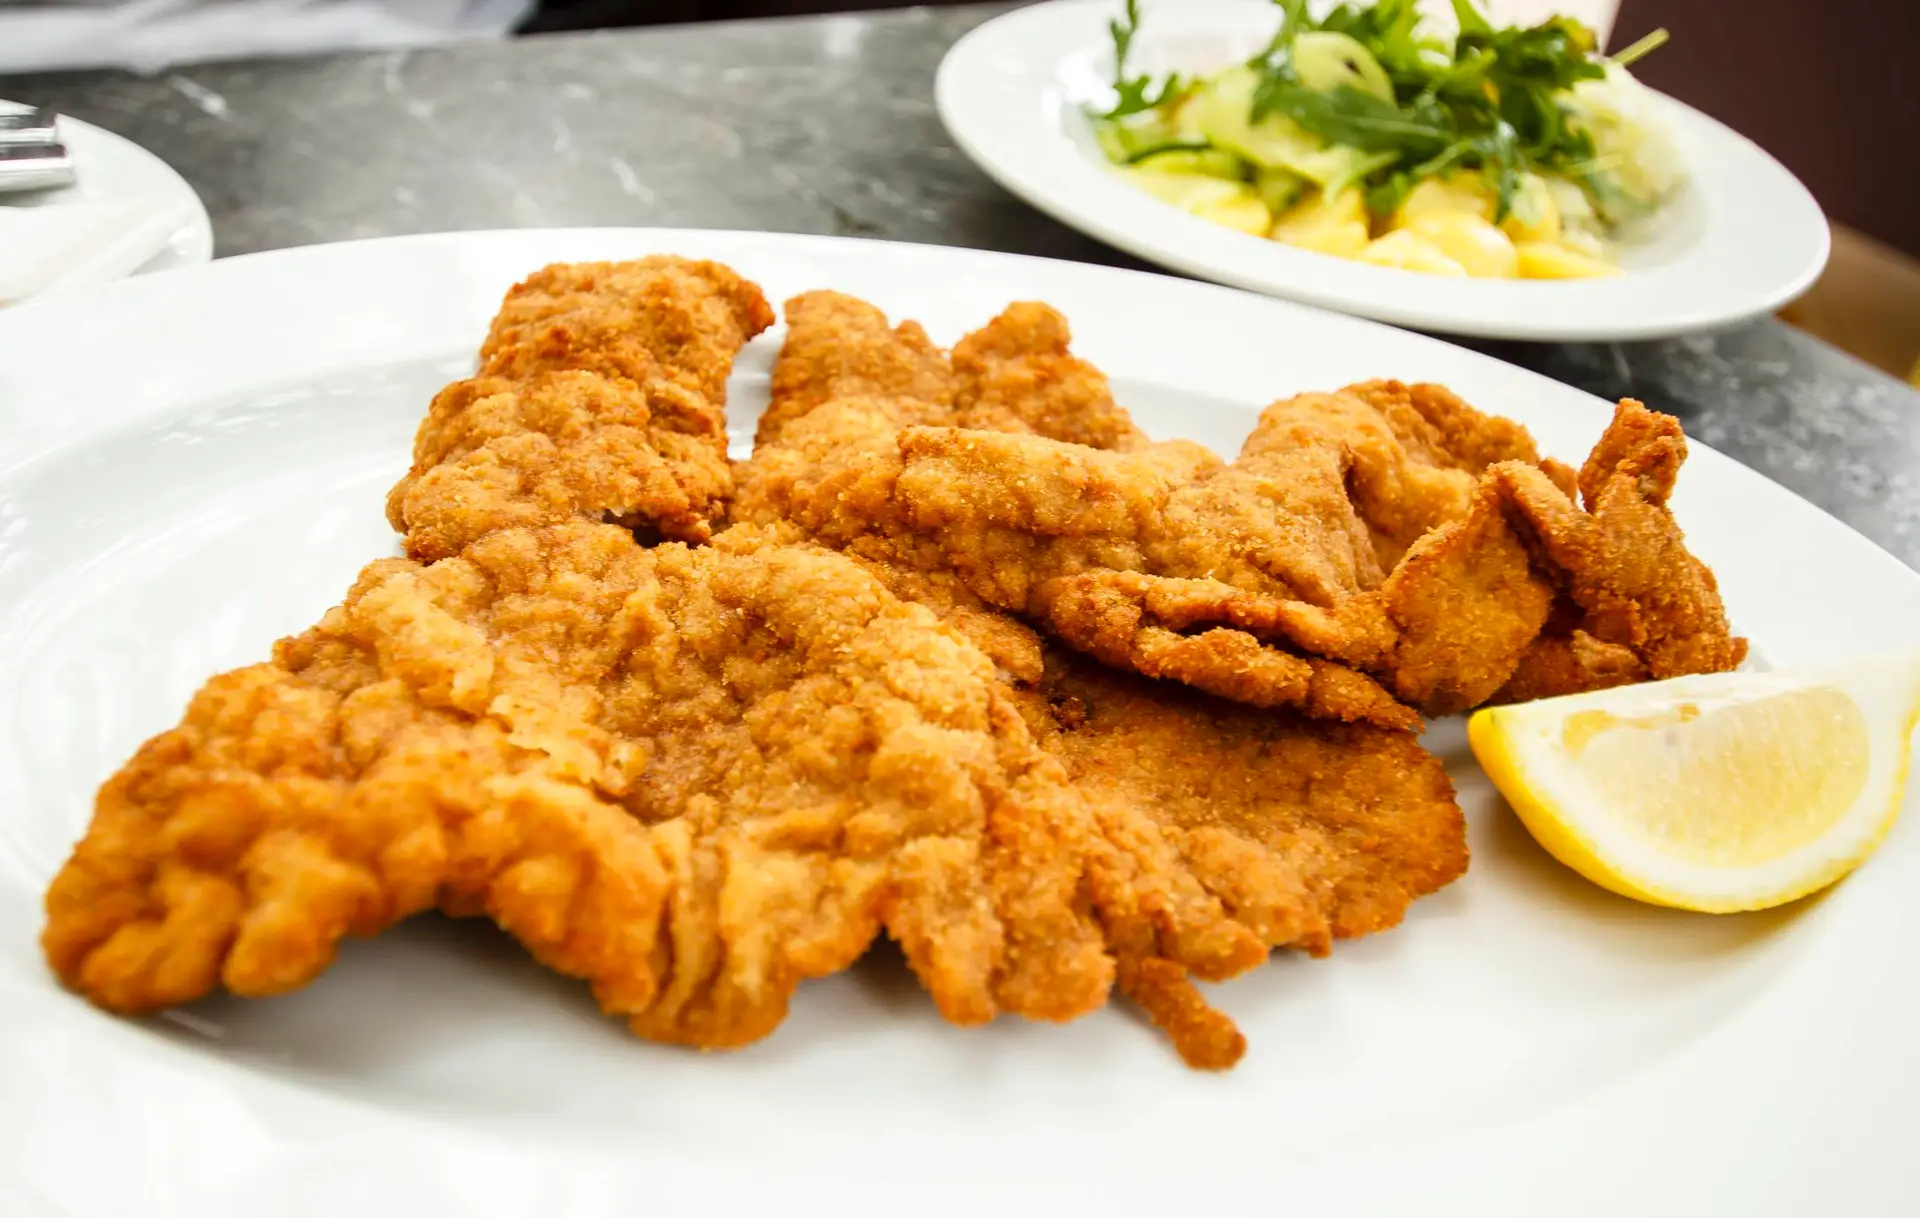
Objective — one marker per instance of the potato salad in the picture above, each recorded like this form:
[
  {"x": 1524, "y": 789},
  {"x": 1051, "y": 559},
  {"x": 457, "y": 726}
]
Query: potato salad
[{"x": 1503, "y": 153}]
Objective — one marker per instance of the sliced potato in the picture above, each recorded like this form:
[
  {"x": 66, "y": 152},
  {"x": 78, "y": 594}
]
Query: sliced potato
[
  {"x": 1340, "y": 238},
  {"x": 1336, "y": 225},
  {"x": 1243, "y": 212},
  {"x": 1233, "y": 204},
  {"x": 1581, "y": 241},
  {"x": 1404, "y": 250},
  {"x": 1183, "y": 190},
  {"x": 1482, "y": 249},
  {"x": 1317, "y": 209},
  {"x": 1550, "y": 260},
  {"x": 1463, "y": 192}
]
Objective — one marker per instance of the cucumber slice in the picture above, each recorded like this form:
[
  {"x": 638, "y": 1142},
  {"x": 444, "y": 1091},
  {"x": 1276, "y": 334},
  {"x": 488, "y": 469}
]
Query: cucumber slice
[
  {"x": 1120, "y": 140},
  {"x": 1279, "y": 189},
  {"x": 1183, "y": 121},
  {"x": 1326, "y": 60},
  {"x": 1203, "y": 160},
  {"x": 1222, "y": 111},
  {"x": 1184, "y": 190}
]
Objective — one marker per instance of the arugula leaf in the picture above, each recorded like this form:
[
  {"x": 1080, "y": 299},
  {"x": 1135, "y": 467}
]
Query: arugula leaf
[
  {"x": 1143, "y": 94},
  {"x": 1472, "y": 21},
  {"x": 1390, "y": 29},
  {"x": 1556, "y": 54},
  {"x": 1502, "y": 163},
  {"x": 1358, "y": 171},
  {"x": 1385, "y": 197},
  {"x": 1387, "y": 26},
  {"x": 1465, "y": 79},
  {"x": 1137, "y": 94},
  {"x": 1122, "y": 30},
  {"x": 1351, "y": 116},
  {"x": 1293, "y": 19}
]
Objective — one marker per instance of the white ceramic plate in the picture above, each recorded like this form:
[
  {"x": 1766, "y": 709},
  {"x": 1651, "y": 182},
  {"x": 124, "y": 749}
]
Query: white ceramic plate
[
  {"x": 112, "y": 169},
  {"x": 1743, "y": 239},
  {"x": 194, "y": 464}
]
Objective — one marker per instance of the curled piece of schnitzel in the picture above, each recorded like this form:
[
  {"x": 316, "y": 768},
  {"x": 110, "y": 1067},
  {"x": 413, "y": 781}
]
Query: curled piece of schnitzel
[
  {"x": 1327, "y": 535},
  {"x": 693, "y": 777},
  {"x": 601, "y": 396},
  {"x": 1634, "y": 603},
  {"x": 1382, "y": 545}
]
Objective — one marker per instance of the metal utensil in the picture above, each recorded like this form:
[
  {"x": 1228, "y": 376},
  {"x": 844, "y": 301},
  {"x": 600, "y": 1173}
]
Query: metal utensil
[
  {"x": 31, "y": 154},
  {"x": 29, "y": 127}
]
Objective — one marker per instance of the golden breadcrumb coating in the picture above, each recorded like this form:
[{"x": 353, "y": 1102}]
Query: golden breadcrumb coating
[
  {"x": 601, "y": 396},
  {"x": 1230, "y": 831},
  {"x": 694, "y": 777},
  {"x": 836, "y": 466}
]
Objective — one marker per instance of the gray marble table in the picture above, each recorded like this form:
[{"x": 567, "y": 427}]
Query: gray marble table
[{"x": 826, "y": 125}]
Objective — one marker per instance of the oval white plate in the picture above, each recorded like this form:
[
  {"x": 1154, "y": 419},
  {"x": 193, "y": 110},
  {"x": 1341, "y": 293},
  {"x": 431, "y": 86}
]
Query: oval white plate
[
  {"x": 1743, "y": 239},
  {"x": 194, "y": 464},
  {"x": 112, "y": 169}
]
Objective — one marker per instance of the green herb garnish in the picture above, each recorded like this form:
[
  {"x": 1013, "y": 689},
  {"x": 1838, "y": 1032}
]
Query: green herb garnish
[
  {"x": 1136, "y": 94},
  {"x": 1636, "y": 51},
  {"x": 1493, "y": 100}
]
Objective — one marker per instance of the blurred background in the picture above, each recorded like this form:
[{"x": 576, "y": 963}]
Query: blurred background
[
  {"x": 1824, "y": 86},
  {"x": 1821, "y": 84}
]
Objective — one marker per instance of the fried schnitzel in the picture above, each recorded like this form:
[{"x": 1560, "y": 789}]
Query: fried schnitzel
[
  {"x": 694, "y": 777},
  {"x": 1291, "y": 833},
  {"x": 1384, "y": 536},
  {"x": 848, "y": 391},
  {"x": 960, "y": 657}
]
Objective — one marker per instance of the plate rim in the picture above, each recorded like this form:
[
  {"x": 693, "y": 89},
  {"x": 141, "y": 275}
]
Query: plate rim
[
  {"x": 199, "y": 225},
  {"x": 242, "y": 1109},
  {"x": 1017, "y": 159}
]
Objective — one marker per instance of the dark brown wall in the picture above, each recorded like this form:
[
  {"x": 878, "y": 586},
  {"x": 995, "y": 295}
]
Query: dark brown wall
[{"x": 1830, "y": 87}]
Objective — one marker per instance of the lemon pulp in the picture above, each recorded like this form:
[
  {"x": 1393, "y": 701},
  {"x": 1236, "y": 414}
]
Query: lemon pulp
[{"x": 1722, "y": 792}]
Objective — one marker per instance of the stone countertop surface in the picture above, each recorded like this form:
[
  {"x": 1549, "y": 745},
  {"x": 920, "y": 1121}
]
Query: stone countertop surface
[{"x": 827, "y": 125}]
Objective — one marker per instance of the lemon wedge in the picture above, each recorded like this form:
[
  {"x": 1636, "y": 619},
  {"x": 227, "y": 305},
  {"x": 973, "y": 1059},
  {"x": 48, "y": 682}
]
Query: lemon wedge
[{"x": 1734, "y": 791}]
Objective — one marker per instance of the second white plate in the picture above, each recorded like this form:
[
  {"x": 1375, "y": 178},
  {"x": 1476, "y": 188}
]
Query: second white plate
[
  {"x": 114, "y": 169},
  {"x": 1744, "y": 238}
]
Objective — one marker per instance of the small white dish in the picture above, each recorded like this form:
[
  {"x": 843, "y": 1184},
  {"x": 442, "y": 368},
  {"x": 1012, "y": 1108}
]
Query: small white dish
[
  {"x": 147, "y": 217},
  {"x": 194, "y": 464},
  {"x": 1742, "y": 239}
]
